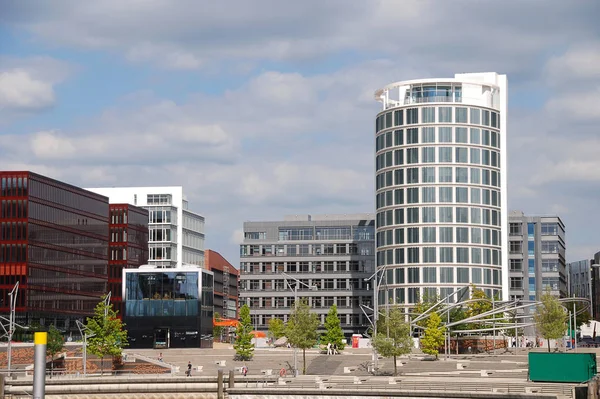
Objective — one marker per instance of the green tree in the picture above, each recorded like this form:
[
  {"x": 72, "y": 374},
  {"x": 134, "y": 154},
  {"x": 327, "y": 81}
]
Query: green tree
[
  {"x": 276, "y": 328},
  {"x": 301, "y": 329},
  {"x": 54, "y": 345},
  {"x": 583, "y": 314},
  {"x": 399, "y": 341},
  {"x": 333, "y": 329},
  {"x": 244, "y": 348},
  {"x": 481, "y": 304},
  {"x": 550, "y": 318},
  {"x": 433, "y": 338},
  {"x": 110, "y": 337},
  {"x": 217, "y": 330}
]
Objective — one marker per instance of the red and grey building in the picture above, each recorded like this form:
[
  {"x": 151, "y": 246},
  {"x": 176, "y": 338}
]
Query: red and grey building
[
  {"x": 55, "y": 241},
  {"x": 128, "y": 247},
  {"x": 226, "y": 283}
]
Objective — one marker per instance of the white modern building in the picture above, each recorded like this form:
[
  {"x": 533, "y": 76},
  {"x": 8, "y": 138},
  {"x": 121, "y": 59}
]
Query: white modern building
[
  {"x": 176, "y": 234},
  {"x": 442, "y": 218}
]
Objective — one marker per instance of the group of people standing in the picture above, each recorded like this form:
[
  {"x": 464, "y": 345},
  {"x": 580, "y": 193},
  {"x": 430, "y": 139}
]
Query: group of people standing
[{"x": 332, "y": 349}]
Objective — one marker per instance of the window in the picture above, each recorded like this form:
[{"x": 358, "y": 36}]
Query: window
[
  {"x": 462, "y": 195},
  {"x": 462, "y": 255},
  {"x": 399, "y": 157},
  {"x": 445, "y": 174},
  {"x": 445, "y": 134},
  {"x": 446, "y": 255},
  {"x": 475, "y": 196},
  {"x": 475, "y": 136},
  {"x": 399, "y": 117},
  {"x": 412, "y": 255},
  {"x": 445, "y": 214},
  {"x": 516, "y": 265},
  {"x": 462, "y": 155},
  {"x": 475, "y": 156},
  {"x": 399, "y": 275},
  {"x": 428, "y": 134},
  {"x": 460, "y": 114},
  {"x": 485, "y": 137},
  {"x": 412, "y": 215},
  {"x": 429, "y": 273},
  {"x": 446, "y": 235},
  {"x": 462, "y": 235},
  {"x": 475, "y": 235},
  {"x": 445, "y": 194},
  {"x": 550, "y": 247},
  {"x": 412, "y": 235},
  {"x": 549, "y": 265},
  {"x": 399, "y": 196},
  {"x": 412, "y": 155},
  {"x": 399, "y": 253},
  {"x": 428, "y": 174},
  {"x": 398, "y": 137},
  {"x": 429, "y": 215},
  {"x": 399, "y": 177},
  {"x": 399, "y": 216},
  {"x": 445, "y": 154},
  {"x": 447, "y": 274},
  {"x": 412, "y": 195},
  {"x": 516, "y": 283},
  {"x": 413, "y": 275},
  {"x": 515, "y": 247},
  {"x": 462, "y": 175},
  {"x": 462, "y": 275},
  {"x": 462, "y": 135},
  {"x": 413, "y": 295},
  {"x": 549, "y": 229},
  {"x": 445, "y": 114},
  {"x": 412, "y": 175},
  {"x": 428, "y": 194},
  {"x": 428, "y": 114},
  {"x": 428, "y": 154},
  {"x": 486, "y": 118},
  {"x": 412, "y": 136},
  {"x": 475, "y": 116},
  {"x": 399, "y": 236},
  {"x": 412, "y": 116},
  {"x": 476, "y": 275},
  {"x": 428, "y": 234},
  {"x": 475, "y": 215},
  {"x": 475, "y": 176}
]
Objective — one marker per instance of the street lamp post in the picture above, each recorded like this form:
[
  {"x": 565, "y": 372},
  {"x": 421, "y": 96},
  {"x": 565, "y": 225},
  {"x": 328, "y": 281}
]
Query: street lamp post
[
  {"x": 310, "y": 287},
  {"x": 84, "y": 332},
  {"x": 12, "y": 297}
]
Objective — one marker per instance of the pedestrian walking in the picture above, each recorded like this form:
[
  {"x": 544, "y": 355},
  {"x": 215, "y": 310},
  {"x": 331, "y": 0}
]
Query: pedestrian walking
[
  {"x": 189, "y": 369},
  {"x": 160, "y": 357},
  {"x": 329, "y": 348},
  {"x": 335, "y": 351},
  {"x": 244, "y": 370}
]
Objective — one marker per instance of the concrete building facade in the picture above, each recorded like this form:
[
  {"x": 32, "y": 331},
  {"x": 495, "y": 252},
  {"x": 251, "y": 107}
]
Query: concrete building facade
[
  {"x": 327, "y": 259},
  {"x": 536, "y": 256},
  {"x": 441, "y": 187},
  {"x": 176, "y": 234}
]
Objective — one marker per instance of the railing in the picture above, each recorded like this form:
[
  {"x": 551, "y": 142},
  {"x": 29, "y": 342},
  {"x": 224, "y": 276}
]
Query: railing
[{"x": 477, "y": 101}]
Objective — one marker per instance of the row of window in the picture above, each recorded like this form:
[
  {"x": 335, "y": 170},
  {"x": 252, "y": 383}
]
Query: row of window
[
  {"x": 320, "y": 284},
  {"x": 412, "y": 295},
  {"x": 474, "y": 116},
  {"x": 548, "y": 265},
  {"x": 361, "y": 248},
  {"x": 547, "y": 229},
  {"x": 441, "y": 235},
  {"x": 432, "y": 195},
  {"x": 548, "y": 247},
  {"x": 78, "y": 199},
  {"x": 308, "y": 267},
  {"x": 445, "y": 214},
  {"x": 428, "y": 175},
  {"x": 13, "y": 231},
  {"x": 445, "y": 134},
  {"x": 314, "y": 302},
  {"x": 358, "y": 233},
  {"x": 162, "y": 216},
  {"x": 428, "y": 155},
  {"x": 463, "y": 255},
  {"x": 441, "y": 275},
  {"x": 553, "y": 283}
]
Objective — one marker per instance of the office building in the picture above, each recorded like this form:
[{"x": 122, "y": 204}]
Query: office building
[
  {"x": 176, "y": 234},
  {"x": 579, "y": 278},
  {"x": 536, "y": 256},
  {"x": 168, "y": 308},
  {"x": 326, "y": 259},
  {"x": 128, "y": 247},
  {"x": 441, "y": 187},
  {"x": 54, "y": 243},
  {"x": 226, "y": 284}
]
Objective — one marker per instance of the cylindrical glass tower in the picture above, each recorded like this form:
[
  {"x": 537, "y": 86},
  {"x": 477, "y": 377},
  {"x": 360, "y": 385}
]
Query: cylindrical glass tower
[{"x": 441, "y": 188}]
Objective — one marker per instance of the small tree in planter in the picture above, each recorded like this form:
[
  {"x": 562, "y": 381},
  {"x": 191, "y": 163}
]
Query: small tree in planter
[
  {"x": 433, "y": 338},
  {"x": 244, "y": 348}
]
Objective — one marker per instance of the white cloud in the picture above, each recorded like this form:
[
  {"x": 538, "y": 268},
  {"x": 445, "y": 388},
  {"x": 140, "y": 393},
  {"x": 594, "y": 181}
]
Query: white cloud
[
  {"x": 19, "y": 91},
  {"x": 579, "y": 62}
]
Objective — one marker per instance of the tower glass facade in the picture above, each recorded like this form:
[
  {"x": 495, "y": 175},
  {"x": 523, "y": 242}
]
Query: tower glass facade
[{"x": 440, "y": 187}]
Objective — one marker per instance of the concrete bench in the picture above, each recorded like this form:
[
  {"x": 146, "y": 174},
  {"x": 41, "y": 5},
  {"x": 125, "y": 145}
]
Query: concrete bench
[
  {"x": 267, "y": 371},
  {"x": 221, "y": 363}
]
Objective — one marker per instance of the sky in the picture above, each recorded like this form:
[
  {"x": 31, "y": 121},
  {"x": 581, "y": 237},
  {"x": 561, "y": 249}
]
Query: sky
[{"x": 265, "y": 108}]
